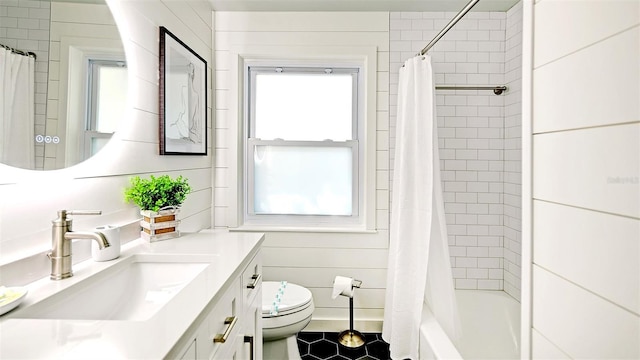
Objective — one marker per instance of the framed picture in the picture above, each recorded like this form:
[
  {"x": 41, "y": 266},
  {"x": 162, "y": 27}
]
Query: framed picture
[{"x": 183, "y": 98}]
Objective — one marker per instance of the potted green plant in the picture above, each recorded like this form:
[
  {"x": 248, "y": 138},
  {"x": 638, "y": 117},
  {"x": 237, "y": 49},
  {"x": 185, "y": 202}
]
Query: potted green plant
[{"x": 159, "y": 199}]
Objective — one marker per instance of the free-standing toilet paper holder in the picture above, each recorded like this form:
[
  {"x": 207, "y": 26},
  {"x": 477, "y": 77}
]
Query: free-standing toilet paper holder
[{"x": 351, "y": 338}]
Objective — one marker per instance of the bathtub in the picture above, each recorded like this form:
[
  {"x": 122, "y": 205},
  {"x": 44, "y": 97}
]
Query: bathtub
[{"x": 490, "y": 328}]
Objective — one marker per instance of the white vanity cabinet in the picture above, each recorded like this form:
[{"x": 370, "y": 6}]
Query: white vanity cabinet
[
  {"x": 229, "y": 327},
  {"x": 252, "y": 300},
  {"x": 188, "y": 292}
]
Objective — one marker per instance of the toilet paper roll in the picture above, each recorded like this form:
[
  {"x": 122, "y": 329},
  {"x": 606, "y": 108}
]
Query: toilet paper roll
[
  {"x": 342, "y": 286},
  {"x": 112, "y": 233}
]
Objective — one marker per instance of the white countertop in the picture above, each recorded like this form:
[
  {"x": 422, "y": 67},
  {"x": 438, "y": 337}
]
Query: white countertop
[{"x": 113, "y": 339}]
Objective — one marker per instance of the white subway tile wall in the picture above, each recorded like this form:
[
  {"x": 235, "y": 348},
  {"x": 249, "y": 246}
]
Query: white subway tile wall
[
  {"x": 478, "y": 137},
  {"x": 24, "y": 25}
]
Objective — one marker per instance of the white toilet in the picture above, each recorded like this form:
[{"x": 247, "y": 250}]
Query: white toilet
[{"x": 286, "y": 310}]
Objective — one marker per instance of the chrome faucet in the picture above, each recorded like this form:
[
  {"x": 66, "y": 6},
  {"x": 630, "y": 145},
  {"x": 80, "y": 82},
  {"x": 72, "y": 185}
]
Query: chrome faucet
[{"x": 61, "y": 235}]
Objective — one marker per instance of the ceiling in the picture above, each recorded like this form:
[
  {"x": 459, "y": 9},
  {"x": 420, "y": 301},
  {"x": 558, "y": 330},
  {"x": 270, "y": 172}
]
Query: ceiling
[{"x": 358, "y": 5}]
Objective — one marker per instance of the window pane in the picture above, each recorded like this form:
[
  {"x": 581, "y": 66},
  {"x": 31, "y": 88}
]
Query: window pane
[
  {"x": 112, "y": 97},
  {"x": 302, "y": 180},
  {"x": 304, "y": 106}
]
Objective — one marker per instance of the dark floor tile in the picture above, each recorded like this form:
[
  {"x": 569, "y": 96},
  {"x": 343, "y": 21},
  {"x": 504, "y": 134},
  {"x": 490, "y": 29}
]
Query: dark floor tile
[
  {"x": 309, "y": 357},
  {"x": 303, "y": 347},
  {"x": 318, "y": 345},
  {"x": 331, "y": 336},
  {"x": 323, "y": 349},
  {"x": 379, "y": 350},
  {"x": 353, "y": 353},
  {"x": 338, "y": 357},
  {"x": 310, "y": 337}
]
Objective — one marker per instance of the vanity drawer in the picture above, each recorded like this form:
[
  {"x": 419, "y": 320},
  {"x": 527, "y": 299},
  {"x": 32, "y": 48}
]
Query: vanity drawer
[
  {"x": 224, "y": 322},
  {"x": 252, "y": 279}
]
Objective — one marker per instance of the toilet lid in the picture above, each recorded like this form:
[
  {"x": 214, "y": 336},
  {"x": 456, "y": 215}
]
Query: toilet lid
[{"x": 279, "y": 298}]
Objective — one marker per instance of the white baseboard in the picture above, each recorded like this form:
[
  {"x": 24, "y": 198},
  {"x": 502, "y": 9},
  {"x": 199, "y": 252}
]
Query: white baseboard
[{"x": 338, "y": 325}]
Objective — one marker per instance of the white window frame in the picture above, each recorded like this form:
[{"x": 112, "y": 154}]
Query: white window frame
[
  {"x": 356, "y": 219},
  {"x": 72, "y": 88},
  {"x": 93, "y": 65}
]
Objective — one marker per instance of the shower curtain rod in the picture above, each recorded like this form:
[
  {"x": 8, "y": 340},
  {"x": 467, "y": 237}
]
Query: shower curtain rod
[
  {"x": 498, "y": 90},
  {"x": 20, "y": 52},
  {"x": 451, "y": 23}
]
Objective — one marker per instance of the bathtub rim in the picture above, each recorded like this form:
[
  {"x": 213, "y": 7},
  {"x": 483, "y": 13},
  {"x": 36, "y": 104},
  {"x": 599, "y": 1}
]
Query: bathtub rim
[{"x": 433, "y": 333}]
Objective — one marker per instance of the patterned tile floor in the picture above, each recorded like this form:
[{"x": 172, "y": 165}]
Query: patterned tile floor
[{"x": 324, "y": 346}]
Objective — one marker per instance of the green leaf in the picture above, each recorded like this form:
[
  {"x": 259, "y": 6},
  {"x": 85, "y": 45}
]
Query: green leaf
[{"x": 157, "y": 192}]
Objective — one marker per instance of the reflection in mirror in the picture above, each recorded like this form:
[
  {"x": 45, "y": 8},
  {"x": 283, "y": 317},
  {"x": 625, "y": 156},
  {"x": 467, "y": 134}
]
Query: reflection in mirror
[{"x": 79, "y": 85}]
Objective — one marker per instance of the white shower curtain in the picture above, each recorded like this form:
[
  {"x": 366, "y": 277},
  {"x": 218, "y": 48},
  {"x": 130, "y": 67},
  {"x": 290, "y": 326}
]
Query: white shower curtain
[
  {"x": 419, "y": 268},
  {"x": 17, "y": 109}
]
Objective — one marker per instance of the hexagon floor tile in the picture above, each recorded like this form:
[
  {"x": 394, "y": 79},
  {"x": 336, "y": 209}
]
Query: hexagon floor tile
[{"x": 324, "y": 346}]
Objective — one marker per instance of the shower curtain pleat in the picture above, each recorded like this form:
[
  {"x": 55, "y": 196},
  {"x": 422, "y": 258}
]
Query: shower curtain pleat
[
  {"x": 419, "y": 267},
  {"x": 17, "y": 109}
]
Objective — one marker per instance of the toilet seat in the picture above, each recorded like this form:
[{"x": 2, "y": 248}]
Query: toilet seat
[
  {"x": 282, "y": 299},
  {"x": 294, "y": 309}
]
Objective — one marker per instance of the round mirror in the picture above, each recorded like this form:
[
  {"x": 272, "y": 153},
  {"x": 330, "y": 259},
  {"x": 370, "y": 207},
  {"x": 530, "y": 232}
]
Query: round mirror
[{"x": 66, "y": 100}]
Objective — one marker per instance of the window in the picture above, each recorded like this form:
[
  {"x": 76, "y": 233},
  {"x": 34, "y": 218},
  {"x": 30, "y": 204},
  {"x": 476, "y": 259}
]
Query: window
[
  {"x": 107, "y": 84},
  {"x": 302, "y": 148}
]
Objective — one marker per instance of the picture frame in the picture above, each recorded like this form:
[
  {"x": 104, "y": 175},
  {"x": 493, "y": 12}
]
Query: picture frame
[{"x": 183, "y": 98}]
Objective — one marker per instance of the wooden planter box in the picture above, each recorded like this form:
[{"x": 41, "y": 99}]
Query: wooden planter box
[{"x": 161, "y": 225}]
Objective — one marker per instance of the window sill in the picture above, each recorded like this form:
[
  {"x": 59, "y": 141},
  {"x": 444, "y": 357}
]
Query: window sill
[{"x": 300, "y": 229}]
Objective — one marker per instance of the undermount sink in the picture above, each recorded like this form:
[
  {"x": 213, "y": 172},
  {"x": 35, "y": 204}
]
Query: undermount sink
[{"x": 134, "y": 290}]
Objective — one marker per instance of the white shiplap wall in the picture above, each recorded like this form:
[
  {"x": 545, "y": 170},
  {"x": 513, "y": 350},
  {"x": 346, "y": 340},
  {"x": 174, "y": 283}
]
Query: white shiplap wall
[
  {"x": 311, "y": 259},
  {"x": 30, "y": 199},
  {"x": 586, "y": 187}
]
